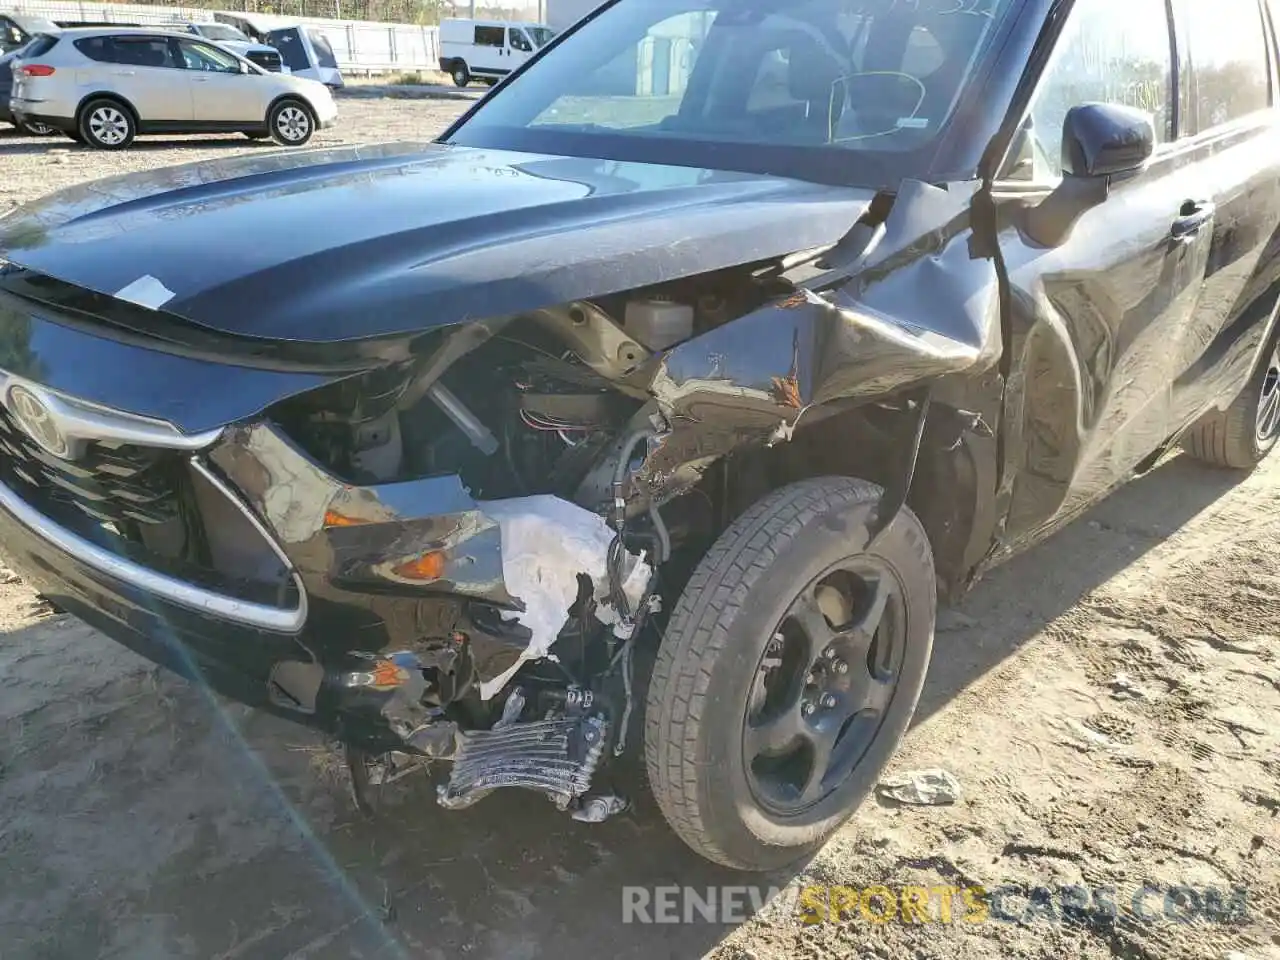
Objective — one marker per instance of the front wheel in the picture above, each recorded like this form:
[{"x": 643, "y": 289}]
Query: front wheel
[
  {"x": 1243, "y": 434},
  {"x": 291, "y": 123},
  {"x": 461, "y": 75},
  {"x": 788, "y": 673},
  {"x": 106, "y": 125}
]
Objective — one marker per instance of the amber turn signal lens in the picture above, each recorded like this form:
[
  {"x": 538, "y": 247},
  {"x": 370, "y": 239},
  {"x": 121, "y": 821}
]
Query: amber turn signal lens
[
  {"x": 332, "y": 518},
  {"x": 429, "y": 566}
]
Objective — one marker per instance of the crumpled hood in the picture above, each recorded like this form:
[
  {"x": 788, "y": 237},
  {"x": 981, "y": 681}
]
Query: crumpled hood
[{"x": 340, "y": 244}]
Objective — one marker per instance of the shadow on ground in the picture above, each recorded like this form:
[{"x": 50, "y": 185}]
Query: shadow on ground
[{"x": 145, "y": 820}]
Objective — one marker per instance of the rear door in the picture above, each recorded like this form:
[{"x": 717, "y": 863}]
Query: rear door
[
  {"x": 293, "y": 52},
  {"x": 146, "y": 72},
  {"x": 1232, "y": 129},
  {"x": 220, "y": 93},
  {"x": 489, "y": 58},
  {"x": 1097, "y": 324}
]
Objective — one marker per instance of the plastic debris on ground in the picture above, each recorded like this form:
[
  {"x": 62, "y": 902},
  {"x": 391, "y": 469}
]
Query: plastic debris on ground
[
  {"x": 600, "y": 808},
  {"x": 1123, "y": 688},
  {"x": 922, "y": 788}
]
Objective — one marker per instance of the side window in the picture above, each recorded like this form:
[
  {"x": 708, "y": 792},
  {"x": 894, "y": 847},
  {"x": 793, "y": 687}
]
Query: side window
[
  {"x": 38, "y": 47},
  {"x": 201, "y": 56},
  {"x": 490, "y": 37},
  {"x": 1229, "y": 74},
  {"x": 142, "y": 52},
  {"x": 325, "y": 56},
  {"x": 97, "y": 48},
  {"x": 519, "y": 41},
  {"x": 10, "y": 36},
  {"x": 1108, "y": 52}
]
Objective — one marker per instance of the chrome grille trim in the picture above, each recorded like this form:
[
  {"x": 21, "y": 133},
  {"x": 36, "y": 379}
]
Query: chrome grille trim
[
  {"x": 81, "y": 420},
  {"x": 256, "y": 615},
  {"x": 218, "y": 484}
]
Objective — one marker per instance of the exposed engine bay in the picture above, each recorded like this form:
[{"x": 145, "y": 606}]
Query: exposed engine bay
[
  {"x": 528, "y": 411},
  {"x": 546, "y": 427}
]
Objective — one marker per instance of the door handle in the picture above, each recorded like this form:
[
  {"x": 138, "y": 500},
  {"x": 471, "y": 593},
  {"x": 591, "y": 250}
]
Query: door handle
[
  {"x": 123, "y": 73},
  {"x": 200, "y": 79},
  {"x": 1193, "y": 215}
]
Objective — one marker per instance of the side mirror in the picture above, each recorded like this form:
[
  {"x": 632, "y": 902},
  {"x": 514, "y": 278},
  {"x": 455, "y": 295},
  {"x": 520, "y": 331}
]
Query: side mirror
[
  {"x": 1104, "y": 139},
  {"x": 1099, "y": 141}
]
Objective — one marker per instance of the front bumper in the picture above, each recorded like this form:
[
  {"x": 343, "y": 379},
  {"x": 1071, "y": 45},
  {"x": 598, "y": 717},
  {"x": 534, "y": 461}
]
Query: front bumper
[
  {"x": 122, "y": 600},
  {"x": 295, "y": 661}
]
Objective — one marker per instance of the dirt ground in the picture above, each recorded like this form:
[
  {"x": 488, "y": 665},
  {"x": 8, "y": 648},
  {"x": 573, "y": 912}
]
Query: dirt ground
[{"x": 1110, "y": 703}]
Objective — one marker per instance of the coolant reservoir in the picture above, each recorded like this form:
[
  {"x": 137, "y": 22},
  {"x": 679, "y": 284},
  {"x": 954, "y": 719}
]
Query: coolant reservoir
[{"x": 658, "y": 323}]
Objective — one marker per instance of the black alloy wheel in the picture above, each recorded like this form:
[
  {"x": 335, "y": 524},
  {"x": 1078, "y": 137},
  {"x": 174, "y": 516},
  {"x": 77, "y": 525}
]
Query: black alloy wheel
[
  {"x": 789, "y": 672},
  {"x": 824, "y": 685}
]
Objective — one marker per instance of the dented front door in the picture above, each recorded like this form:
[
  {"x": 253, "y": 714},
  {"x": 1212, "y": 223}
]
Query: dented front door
[{"x": 1095, "y": 323}]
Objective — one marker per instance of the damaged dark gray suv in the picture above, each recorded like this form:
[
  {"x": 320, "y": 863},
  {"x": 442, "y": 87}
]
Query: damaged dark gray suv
[{"x": 648, "y": 409}]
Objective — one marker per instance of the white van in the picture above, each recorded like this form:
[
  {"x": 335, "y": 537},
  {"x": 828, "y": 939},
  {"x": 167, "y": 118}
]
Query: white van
[{"x": 488, "y": 49}]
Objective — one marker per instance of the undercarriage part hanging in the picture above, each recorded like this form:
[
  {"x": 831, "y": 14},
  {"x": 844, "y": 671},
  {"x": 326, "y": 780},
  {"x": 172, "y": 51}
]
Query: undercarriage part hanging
[
  {"x": 895, "y": 495},
  {"x": 556, "y": 757},
  {"x": 369, "y": 773}
]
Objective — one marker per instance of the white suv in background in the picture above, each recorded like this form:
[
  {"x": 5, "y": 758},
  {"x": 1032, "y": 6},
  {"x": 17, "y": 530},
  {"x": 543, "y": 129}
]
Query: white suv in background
[{"x": 104, "y": 86}]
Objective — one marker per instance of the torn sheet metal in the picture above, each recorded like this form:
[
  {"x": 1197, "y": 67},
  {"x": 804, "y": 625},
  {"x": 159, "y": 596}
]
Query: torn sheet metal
[
  {"x": 546, "y": 543},
  {"x": 918, "y": 307}
]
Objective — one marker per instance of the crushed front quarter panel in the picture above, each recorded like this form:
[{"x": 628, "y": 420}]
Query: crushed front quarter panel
[{"x": 919, "y": 305}]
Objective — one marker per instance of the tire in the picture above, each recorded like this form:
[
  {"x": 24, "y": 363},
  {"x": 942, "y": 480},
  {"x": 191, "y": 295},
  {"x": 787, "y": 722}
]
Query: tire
[
  {"x": 106, "y": 124},
  {"x": 291, "y": 122},
  {"x": 733, "y": 629},
  {"x": 1241, "y": 436},
  {"x": 461, "y": 75},
  {"x": 36, "y": 129}
]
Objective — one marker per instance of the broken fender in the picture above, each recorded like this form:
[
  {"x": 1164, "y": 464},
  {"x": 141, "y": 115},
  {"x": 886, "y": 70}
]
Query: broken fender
[{"x": 916, "y": 306}]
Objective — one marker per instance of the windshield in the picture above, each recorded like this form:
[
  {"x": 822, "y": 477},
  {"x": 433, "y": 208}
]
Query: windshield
[
  {"x": 746, "y": 84},
  {"x": 220, "y": 32},
  {"x": 324, "y": 50},
  {"x": 541, "y": 36}
]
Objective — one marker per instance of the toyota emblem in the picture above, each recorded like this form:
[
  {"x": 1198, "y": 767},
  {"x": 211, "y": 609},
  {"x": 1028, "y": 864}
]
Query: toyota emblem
[{"x": 37, "y": 421}]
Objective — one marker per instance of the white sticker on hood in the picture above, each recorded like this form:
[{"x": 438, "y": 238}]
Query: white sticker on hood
[{"x": 146, "y": 292}]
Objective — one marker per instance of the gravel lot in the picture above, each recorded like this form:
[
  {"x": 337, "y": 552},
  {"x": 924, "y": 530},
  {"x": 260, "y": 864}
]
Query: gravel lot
[
  {"x": 1109, "y": 702},
  {"x": 32, "y": 166}
]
